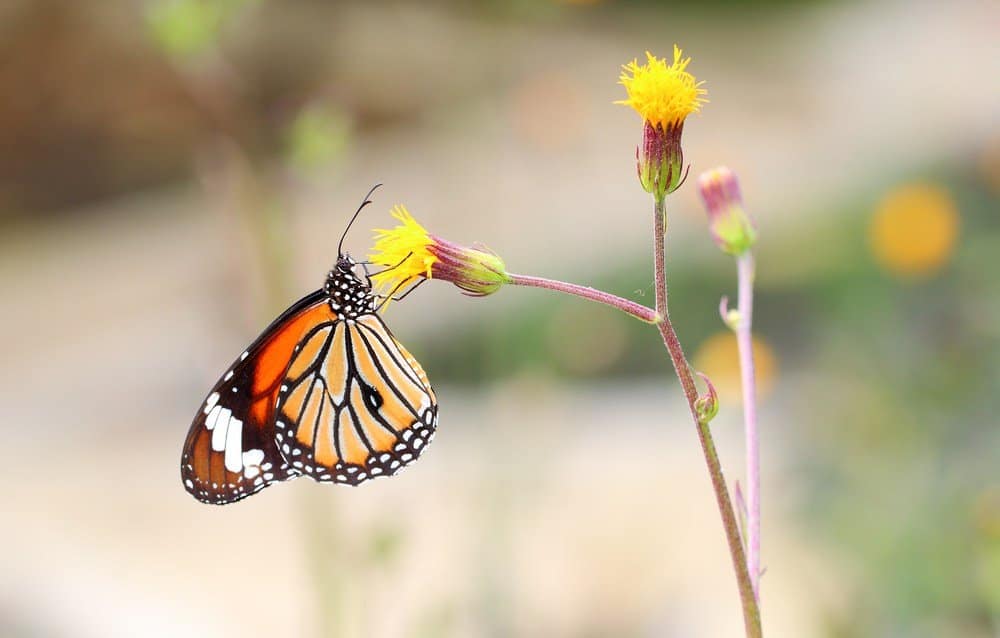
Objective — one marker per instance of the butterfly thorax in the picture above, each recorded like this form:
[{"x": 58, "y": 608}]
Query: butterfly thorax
[{"x": 349, "y": 295}]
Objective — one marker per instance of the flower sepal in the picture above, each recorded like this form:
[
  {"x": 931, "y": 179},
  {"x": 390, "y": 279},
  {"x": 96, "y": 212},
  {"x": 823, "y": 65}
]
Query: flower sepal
[{"x": 660, "y": 159}]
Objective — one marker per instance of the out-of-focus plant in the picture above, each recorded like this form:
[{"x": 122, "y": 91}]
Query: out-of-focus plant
[
  {"x": 897, "y": 445},
  {"x": 187, "y": 28},
  {"x": 734, "y": 233},
  {"x": 188, "y": 34},
  {"x": 664, "y": 95},
  {"x": 317, "y": 137}
]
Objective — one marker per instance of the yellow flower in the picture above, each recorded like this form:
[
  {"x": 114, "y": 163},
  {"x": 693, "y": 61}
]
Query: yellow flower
[
  {"x": 718, "y": 357},
  {"x": 410, "y": 254},
  {"x": 914, "y": 230},
  {"x": 664, "y": 95},
  {"x": 406, "y": 245}
]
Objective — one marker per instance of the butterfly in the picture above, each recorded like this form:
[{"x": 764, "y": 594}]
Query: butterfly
[{"x": 326, "y": 391}]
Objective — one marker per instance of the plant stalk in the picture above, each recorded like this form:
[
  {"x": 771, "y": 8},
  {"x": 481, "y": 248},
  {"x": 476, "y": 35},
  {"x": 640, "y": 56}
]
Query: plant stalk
[
  {"x": 639, "y": 311},
  {"x": 751, "y": 610},
  {"x": 744, "y": 340}
]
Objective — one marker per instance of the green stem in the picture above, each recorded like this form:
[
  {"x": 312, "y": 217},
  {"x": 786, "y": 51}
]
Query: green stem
[{"x": 751, "y": 610}]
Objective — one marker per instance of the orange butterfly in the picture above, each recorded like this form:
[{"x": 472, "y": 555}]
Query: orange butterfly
[{"x": 326, "y": 391}]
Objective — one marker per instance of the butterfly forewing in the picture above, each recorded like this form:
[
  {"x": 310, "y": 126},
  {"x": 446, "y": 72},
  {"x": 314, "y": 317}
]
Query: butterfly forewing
[
  {"x": 354, "y": 404},
  {"x": 230, "y": 450}
]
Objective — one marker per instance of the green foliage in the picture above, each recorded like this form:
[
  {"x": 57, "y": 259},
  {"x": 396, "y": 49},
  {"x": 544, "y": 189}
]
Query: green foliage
[
  {"x": 187, "y": 28},
  {"x": 385, "y": 542},
  {"x": 892, "y": 448},
  {"x": 318, "y": 136}
]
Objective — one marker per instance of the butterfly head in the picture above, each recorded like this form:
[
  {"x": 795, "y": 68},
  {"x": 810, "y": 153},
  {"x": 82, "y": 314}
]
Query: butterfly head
[{"x": 350, "y": 295}]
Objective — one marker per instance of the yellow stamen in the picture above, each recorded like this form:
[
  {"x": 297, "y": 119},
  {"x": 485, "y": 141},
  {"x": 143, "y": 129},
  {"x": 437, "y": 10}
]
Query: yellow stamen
[
  {"x": 663, "y": 95},
  {"x": 403, "y": 250}
]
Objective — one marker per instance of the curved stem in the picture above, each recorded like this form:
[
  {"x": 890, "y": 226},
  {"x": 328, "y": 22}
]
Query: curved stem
[
  {"x": 744, "y": 340},
  {"x": 751, "y": 610},
  {"x": 637, "y": 310}
]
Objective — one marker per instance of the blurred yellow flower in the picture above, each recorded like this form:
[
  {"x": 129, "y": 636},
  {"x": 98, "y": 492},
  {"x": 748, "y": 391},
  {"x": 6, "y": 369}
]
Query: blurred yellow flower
[
  {"x": 914, "y": 229},
  {"x": 718, "y": 358},
  {"x": 664, "y": 95}
]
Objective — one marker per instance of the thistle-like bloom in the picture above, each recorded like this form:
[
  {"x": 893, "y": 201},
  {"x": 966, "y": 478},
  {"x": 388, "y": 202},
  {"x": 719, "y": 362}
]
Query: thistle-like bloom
[
  {"x": 664, "y": 95},
  {"x": 730, "y": 225},
  {"x": 410, "y": 254}
]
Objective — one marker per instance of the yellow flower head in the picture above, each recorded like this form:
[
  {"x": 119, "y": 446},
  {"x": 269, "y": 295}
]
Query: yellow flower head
[
  {"x": 405, "y": 245},
  {"x": 410, "y": 253},
  {"x": 663, "y": 95}
]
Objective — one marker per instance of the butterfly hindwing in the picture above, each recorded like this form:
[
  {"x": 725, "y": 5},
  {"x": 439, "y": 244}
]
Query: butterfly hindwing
[
  {"x": 354, "y": 403},
  {"x": 230, "y": 451}
]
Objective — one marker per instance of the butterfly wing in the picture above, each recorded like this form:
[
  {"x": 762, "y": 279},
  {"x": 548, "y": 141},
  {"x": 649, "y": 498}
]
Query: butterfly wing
[
  {"x": 354, "y": 404},
  {"x": 230, "y": 451}
]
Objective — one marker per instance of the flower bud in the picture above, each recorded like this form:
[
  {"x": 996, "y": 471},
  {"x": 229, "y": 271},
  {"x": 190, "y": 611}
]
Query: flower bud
[
  {"x": 731, "y": 227},
  {"x": 706, "y": 406}
]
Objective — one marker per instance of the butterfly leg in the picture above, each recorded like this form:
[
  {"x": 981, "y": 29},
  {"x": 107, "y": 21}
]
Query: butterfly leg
[
  {"x": 387, "y": 298},
  {"x": 387, "y": 269}
]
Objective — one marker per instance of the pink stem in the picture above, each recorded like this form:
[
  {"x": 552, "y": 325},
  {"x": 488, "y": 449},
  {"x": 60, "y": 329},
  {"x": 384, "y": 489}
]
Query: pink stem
[
  {"x": 638, "y": 311},
  {"x": 744, "y": 339},
  {"x": 748, "y": 600}
]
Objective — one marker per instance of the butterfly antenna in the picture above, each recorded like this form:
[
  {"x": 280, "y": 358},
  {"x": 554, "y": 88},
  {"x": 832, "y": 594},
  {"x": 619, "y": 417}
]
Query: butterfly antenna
[{"x": 340, "y": 244}]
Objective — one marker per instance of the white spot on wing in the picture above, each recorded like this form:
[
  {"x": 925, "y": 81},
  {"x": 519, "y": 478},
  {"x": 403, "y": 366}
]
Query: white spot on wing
[
  {"x": 219, "y": 432},
  {"x": 210, "y": 402},
  {"x": 234, "y": 445},
  {"x": 254, "y": 457},
  {"x": 229, "y": 375},
  {"x": 212, "y": 417}
]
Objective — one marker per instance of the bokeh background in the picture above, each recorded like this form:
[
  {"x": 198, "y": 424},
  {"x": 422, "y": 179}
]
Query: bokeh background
[{"x": 175, "y": 172}]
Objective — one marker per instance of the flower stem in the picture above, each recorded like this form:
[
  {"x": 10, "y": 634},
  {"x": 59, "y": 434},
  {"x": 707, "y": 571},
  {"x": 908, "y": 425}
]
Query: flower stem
[
  {"x": 751, "y": 610},
  {"x": 639, "y": 311},
  {"x": 744, "y": 340}
]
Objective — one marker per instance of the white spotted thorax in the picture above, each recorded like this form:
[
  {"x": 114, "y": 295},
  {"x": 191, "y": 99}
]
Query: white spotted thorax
[{"x": 349, "y": 295}]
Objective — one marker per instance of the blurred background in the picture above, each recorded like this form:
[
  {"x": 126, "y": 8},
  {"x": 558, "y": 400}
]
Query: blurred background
[{"x": 173, "y": 173}]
